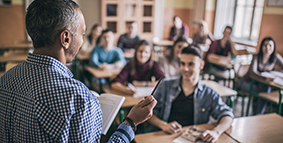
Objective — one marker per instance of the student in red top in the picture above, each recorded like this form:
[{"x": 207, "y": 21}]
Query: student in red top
[{"x": 139, "y": 70}]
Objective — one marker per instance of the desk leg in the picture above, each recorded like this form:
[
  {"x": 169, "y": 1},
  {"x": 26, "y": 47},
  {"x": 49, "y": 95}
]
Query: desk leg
[
  {"x": 250, "y": 96},
  {"x": 280, "y": 101},
  {"x": 121, "y": 115}
]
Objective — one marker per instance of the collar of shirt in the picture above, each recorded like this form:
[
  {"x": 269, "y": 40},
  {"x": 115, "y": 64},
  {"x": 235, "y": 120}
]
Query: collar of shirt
[
  {"x": 177, "y": 84},
  {"x": 43, "y": 60}
]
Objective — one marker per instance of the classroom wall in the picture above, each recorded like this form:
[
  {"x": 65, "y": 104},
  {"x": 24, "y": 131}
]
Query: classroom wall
[
  {"x": 12, "y": 27},
  {"x": 209, "y": 15},
  {"x": 181, "y": 8},
  {"x": 271, "y": 25}
]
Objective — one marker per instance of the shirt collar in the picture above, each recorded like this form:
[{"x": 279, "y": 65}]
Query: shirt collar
[
  {"x": 43, "y": 60},
  {"x": 177, "y": 83}
]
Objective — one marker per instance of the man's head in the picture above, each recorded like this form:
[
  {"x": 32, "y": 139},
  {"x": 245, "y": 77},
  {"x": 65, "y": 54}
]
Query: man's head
[
  {"x": 107, "y": 38},
  {"x": 191, "y": 63},
  {"x": 132, "y": 28},
  {"x": 56, "y": 22},
  {"x": 227, "y": 32}
]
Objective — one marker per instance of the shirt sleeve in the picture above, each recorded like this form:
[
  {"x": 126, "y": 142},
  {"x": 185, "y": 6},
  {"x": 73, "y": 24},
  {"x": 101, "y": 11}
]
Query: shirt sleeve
[
  {"x": 124, "y": 134},
  {"x": 94, "y": 58},
  {"x": 120, "y": 56},
  {"x": 219, "y": 108},
  {"x": 157, "y": 72}
]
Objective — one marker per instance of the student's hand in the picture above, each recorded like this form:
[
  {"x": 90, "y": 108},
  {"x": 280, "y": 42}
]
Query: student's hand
[
  {"x": 143, "y": 110},
  {"x": 172, "y": 128},
  {"x": 139, "y": 83},
  {"x": 130, "y": 91},
  {"x": 151, "y": 83},
  {"x": 103, "y": 66},
  {"x": 210, "y": 136}
]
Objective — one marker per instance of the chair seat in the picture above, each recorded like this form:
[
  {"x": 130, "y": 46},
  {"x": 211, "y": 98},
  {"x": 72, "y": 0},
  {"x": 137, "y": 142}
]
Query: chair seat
[{"x": 273, "y": 96}]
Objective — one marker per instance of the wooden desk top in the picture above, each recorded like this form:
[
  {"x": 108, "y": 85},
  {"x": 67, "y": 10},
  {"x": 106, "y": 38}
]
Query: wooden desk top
[
  {"x": 222, "y": 62},
  {"x": 258, "y": 129},
  {"x": 101, "y": 73},
  {"x": 270, "y": 83},
  {"x": 13, "y": 58},
  {"x": 162, "y": 137},
  {"x": 220, "y": 89},
  {"x": 16, "y": 46},
  {"x": 129, "y": 101}
]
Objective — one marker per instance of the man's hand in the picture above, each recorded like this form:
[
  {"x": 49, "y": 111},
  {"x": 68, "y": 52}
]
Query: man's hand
[
  {"x": 172, "y": 128},
  {"x": 103, "y": 66},
  {"x": 210, "y": 136},
  {"x": 143, "y": 110}
]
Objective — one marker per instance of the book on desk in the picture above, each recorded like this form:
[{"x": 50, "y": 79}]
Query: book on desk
[{"x": 277, "y": 76}]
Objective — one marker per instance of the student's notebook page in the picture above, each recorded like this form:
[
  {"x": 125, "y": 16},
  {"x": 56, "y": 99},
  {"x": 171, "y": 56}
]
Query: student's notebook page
[
  {"x": 143, "y": 91},
  {"x": 110, "y": 105}
]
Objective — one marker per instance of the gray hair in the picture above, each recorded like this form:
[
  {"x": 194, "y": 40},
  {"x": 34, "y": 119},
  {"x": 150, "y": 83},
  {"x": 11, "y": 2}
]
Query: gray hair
[{"x": 46, "y": 19}]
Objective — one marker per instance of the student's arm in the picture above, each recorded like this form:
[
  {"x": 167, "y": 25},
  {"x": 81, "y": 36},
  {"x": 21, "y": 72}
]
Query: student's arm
[
  {"x": 214, "y": 134},
  {"x": 94, "y": 58},
  {"x": 233, "y": 50},
  {"x": 170, "y": 128},
  {"x": 122, "y": 88},
  {"x": 120, "y": 59},
  {"x": 253, "y": 72}
]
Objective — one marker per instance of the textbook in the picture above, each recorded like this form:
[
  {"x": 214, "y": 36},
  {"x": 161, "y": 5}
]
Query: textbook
[
  {"x": 191, "y": 134},
  {"x": 110, "y": 105}
]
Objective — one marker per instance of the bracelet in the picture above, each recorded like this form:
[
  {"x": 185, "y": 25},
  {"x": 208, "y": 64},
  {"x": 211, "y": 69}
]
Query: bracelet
[{"x": 132, "y": 124}]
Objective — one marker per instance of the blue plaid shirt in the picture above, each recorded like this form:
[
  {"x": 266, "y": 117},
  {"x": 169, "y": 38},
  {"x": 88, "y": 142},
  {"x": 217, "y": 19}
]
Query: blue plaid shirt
[{"x": 41, "y": 102}]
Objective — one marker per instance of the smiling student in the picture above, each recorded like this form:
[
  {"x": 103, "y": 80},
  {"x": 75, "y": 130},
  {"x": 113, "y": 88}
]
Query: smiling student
[
  {"x": 186, "y": 101},
  {"x": 139, "y": 70}
]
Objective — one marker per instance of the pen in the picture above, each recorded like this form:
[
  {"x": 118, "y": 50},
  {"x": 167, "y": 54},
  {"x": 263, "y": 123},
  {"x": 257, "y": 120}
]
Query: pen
[
  {"x": 156, "y": 85},
  {"x": 154, "y": 90},
  {"x": 131, "y": 86}
]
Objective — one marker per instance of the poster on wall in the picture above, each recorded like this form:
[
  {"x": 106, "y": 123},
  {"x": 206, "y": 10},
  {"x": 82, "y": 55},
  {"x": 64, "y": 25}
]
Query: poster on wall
[{"x": 5, "y": 2}]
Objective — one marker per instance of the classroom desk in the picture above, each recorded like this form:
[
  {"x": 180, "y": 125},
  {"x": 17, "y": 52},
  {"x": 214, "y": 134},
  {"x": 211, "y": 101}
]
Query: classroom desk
[
  {"x": 101, "y": 74},
  {"x": 163, "y": 42},
  {"x": 265, "y": 128},
  {"x": 223, "y": 91},
  {"x": 275, "y": 85},
  {"x": 162, "y": 137}
]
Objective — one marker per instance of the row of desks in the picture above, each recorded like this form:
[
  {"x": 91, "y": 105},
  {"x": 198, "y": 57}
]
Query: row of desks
[{"x": 254, "y": 129}]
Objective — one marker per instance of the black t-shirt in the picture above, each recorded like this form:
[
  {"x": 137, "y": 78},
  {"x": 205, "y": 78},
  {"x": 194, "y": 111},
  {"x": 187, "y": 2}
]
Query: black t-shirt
[{"x": 182, "y": 109}]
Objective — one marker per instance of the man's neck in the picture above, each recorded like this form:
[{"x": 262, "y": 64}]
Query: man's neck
[
  {"x": 108, "y": 47},
  {"x": 189, "y": 86},
  {"x": 56, "y": 53},
  {"x": 131, "y": 35}
]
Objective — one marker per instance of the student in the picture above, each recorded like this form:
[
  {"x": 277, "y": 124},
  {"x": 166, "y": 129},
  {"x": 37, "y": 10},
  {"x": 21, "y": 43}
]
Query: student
[
  {"x": 219, "y": 50},
  {"x": 127, "y": 42},
  {"x": 139, "y": 70},
  {"x": 264, "y": 61},
  {"x": 203, "y": 36},
  {"x": 179, "y": 29},
  {"x": 107, "y": 56},
  {"x": 186, "y": 101},
  {"x": 40, "y": 101},
  {"x": 90, "y": 40},
  {"x": 169, "y": 63}
]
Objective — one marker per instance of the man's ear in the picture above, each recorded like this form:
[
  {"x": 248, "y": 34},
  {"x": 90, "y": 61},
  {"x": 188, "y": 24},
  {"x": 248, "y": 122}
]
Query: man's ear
[{"x": 65, "y": 39}]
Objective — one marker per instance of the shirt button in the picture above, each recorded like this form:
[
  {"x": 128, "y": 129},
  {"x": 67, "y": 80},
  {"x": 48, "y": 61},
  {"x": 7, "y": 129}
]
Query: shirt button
[{"x": 203, "y": 109}]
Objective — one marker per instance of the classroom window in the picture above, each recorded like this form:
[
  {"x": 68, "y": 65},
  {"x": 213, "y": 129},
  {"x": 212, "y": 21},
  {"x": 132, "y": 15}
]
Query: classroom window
[{"x": 243, "y": 15}]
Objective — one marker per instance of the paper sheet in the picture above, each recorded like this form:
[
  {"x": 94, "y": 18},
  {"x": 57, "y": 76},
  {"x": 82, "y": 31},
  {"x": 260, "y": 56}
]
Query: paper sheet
[{"x": 143, "y": 91}]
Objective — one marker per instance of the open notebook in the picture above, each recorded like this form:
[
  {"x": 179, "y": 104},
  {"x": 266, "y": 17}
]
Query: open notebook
[{"x": 110, "y": 105}]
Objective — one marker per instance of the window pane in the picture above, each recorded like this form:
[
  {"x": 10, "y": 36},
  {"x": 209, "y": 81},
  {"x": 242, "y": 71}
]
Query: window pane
[
  {"x": 147, "y": 10},
  {"x": 242, "y": 23},
  {"x": 112, "y": 26},
  {"x": 260, "y": 3},
  {"x": 111, "y": 9},
  {"x": 256, "y": 23},
  {"x": 130, "y": 10},
  {"x": 146, "y": 27}
]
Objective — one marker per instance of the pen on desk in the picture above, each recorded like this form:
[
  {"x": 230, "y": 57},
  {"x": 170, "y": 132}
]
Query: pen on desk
[
  {"x": 154, "y": 90},
  {"x": 131, "y": 86}
]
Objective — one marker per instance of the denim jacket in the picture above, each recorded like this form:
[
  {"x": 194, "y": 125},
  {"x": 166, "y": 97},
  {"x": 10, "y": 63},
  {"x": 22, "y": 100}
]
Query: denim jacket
[{"x": 206, "y": 102}]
